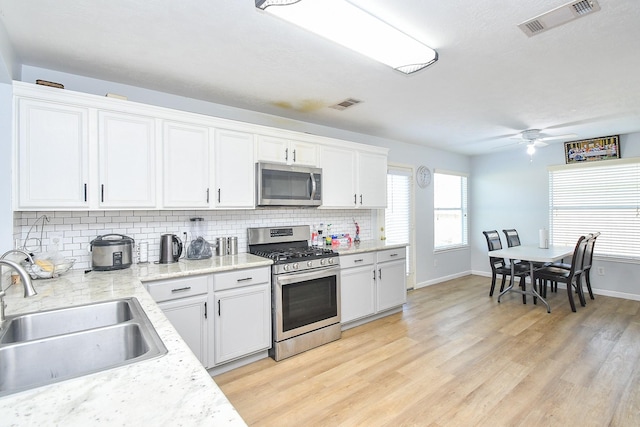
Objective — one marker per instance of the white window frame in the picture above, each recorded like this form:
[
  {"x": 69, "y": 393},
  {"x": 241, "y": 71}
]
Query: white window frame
[
  {"x": 464, "y": 203},
  {"x": 599, "y": 196}
]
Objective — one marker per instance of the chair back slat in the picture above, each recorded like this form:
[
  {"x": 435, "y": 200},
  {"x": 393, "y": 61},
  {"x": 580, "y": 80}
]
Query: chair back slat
[
  {"x": 577, "y": 261},
  {"x": 588, "y": 253},
  {"x": 513, "y": 239}
]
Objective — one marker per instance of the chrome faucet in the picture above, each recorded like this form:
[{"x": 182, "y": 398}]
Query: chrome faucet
[{"x": 29, "y": 290}]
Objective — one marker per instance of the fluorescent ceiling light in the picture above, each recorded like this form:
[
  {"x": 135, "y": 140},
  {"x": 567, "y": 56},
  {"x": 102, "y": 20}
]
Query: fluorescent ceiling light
[{"x": 352, "y": 27}]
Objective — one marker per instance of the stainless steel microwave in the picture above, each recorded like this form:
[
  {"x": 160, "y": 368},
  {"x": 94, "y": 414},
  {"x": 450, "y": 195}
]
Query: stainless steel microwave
[{"x": 285, "y": 185}]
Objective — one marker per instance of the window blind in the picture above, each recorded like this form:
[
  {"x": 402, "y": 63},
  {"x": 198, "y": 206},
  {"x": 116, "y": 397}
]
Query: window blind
[
  {"x": 450, "y": 210},
  {"x": 397, "y": 215},
  {"x": 601, "y": 197}
]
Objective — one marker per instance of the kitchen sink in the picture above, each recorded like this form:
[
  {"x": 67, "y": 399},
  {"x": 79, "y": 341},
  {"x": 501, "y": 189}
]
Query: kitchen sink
[
  {"x": 26, "y": 327},
  {"x": 41, "y": 351}
]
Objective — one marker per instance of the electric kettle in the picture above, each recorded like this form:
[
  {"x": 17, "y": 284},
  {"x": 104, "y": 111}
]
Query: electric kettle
[{"x": 170, "y": 248}]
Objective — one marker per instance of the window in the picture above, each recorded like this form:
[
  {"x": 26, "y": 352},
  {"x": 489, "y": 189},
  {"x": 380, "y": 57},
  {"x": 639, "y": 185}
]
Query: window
[
  {"x": 398, "y": 216},
  {"x": 599, "y": 196},
  {"x": 450, "y": 210}
]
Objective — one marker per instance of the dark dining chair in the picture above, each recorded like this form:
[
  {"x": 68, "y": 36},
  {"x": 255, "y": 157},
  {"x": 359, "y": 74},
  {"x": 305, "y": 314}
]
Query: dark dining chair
[
  {"x": 499, "y": 266},
  {"x": 588, "y": 261},
  {"x": 571, "y": 277}
]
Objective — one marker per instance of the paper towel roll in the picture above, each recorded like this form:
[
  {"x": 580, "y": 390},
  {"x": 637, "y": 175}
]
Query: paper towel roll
[{"x": 544, "y": 238}]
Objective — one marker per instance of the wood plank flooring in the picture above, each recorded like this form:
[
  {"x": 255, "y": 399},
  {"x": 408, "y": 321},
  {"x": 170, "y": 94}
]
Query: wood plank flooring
[{"x": 455, "y": 357}]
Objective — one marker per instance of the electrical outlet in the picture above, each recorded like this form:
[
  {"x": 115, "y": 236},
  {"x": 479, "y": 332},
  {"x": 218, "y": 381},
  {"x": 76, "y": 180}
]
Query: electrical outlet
[{"x": 600, "y": 271}]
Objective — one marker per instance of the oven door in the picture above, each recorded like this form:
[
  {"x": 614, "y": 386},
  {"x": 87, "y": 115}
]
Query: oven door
[{"x": 305, "y": 301}]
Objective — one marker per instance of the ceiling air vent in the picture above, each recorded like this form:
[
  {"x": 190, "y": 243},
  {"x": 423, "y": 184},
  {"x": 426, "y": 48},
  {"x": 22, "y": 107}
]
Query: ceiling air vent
[
  {"x": 559, "y": 16},
  {"x": 349, "y": 102}
]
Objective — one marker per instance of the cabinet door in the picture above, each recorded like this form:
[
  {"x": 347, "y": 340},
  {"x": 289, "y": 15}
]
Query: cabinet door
[
  {"x": 242, "y": 322},
  {"x": 186, "y": 166},
  {"x": 272, "y": 149},
  {"x": 372, "y": 180},
  {"x": 303, "y": 153},
  {"x": 127, "y": 150},
  {"x": 234, "y": 170},
  {"x": 357, "y": 293},
  {"x": 391, "y": 287},
  {"x": 53, "y": 155},
  {"x": 189, "y": 317},
  {"x": 338, "y": 177}
]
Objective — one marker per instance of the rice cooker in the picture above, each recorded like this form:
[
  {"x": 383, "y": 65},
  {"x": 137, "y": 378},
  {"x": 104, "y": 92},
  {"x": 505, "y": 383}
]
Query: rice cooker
[{"x": 111, "y": 252}]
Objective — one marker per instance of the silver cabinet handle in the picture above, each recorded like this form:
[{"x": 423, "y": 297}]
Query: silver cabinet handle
[
  {"x": 393, "y": 255},
  {"x": 180, "y": 289},
  {"x": 286, "y": 154},
  {"x": 245, "y": 279},
  {"x": 358, "y": 260},
  {"x": 380, "y": 273},
  {"x": 294, "y": 156}
]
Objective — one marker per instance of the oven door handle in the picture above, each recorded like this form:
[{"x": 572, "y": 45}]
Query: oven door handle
[{"x": 287, "y": 279}]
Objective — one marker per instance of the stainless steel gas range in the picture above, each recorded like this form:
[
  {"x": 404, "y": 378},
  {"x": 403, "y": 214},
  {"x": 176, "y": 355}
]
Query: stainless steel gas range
[{"x": 305, "y": 289}]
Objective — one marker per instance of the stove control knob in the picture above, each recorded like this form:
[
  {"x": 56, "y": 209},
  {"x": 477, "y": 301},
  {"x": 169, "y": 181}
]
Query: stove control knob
[
  {"x": 330, "y": 260},
  {"x": 285, "y": 267},
  {"x": 295, "y": 266},
  {"x": 309, "y": 264},
  {"x": 323, "y": 261}
]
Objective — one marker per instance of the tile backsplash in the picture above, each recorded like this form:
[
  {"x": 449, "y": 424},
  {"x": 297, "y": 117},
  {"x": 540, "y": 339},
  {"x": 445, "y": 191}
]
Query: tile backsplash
[{"x": 75, "y": 230}]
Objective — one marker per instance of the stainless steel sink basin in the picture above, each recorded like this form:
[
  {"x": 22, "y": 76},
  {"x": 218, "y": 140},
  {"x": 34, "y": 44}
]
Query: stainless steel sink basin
[
  {"x": 26, "y": 327},
  {"x": 41, "y": 352}
]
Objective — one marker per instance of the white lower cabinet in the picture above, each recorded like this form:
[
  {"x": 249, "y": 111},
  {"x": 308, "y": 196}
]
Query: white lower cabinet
[
  {"x": 184, "y": 302},
  {"x": 357, "y": 286},
  {"x": 391, "y": 277},
  {"x": 371, "y": 283},
  {"x": 242, "y": 313}
]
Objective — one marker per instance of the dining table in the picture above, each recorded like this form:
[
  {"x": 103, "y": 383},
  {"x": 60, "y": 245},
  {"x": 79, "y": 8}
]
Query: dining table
[{"x": 531, "y": 254}]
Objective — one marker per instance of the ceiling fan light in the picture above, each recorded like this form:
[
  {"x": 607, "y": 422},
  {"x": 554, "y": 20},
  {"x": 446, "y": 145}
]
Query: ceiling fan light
[
  {"x": 355, "y": 29},
  {"x": 531, "y": 149}
]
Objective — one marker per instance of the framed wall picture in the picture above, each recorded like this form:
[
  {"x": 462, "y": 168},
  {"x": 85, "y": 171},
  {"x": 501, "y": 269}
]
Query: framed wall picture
[{"x": 591, "y": 150}]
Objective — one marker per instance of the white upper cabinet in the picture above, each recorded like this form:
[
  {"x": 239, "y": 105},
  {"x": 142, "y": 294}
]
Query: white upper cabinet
[
  {"x": 353, "y": 178},
  {"x": 372, "y": 180},
  {"x": 234, "y": 169},
  {"x": 127, "y": 160},
  {"x": 77, "y": 151},
  {"x": 53, "y": 155},
  {"x": 282, "y": 150},
  {"x": 338, "y": 177},
  {"x": 186, "y": 165}
]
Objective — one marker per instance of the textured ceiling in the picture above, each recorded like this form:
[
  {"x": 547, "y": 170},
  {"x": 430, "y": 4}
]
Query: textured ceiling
[{"x": 491, "y": 81}]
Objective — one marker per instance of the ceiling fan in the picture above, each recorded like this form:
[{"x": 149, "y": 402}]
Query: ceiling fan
[{"x": 534, "y": 138}]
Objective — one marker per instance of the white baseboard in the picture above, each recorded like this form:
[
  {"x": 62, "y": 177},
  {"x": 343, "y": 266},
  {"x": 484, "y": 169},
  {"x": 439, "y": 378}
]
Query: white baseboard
[{"x": 443, "y": 279}]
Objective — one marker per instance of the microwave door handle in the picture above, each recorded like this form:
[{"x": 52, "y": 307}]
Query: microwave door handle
[{"x": 313, "y": 186}]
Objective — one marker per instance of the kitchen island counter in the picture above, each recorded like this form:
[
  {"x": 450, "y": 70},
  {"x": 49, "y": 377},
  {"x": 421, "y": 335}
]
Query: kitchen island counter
[{"x": 174, "y": 389}]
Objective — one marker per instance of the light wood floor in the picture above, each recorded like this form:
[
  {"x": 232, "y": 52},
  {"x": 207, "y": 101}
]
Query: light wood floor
[{"x": 455, "y": 357}]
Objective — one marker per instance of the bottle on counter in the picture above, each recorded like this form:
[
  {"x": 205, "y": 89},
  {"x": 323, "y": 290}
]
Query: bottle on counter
[
  {"x": 314, "y": 236},
  {"x": 328, "y": 237},
  {"x": 320, "y": 234}
]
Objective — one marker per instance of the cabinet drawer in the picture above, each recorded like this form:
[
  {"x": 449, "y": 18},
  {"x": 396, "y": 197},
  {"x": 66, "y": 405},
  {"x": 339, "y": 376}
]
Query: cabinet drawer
[
  {"x": 391, "y": 254},
  {"x": 164, "y": 290},
  {"x": 356, "y": 260},
  {"x": 239, "y": 278}
]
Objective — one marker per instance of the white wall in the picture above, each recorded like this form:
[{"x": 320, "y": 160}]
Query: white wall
[
  {"x": 509, "y": 190},
  {"x": 449, "y": 264}
]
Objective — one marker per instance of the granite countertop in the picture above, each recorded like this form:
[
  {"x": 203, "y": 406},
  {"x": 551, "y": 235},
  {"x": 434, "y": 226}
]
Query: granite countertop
[
  {"x": 174, "y": 389},
  {"x": 367, "y": 246}
]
